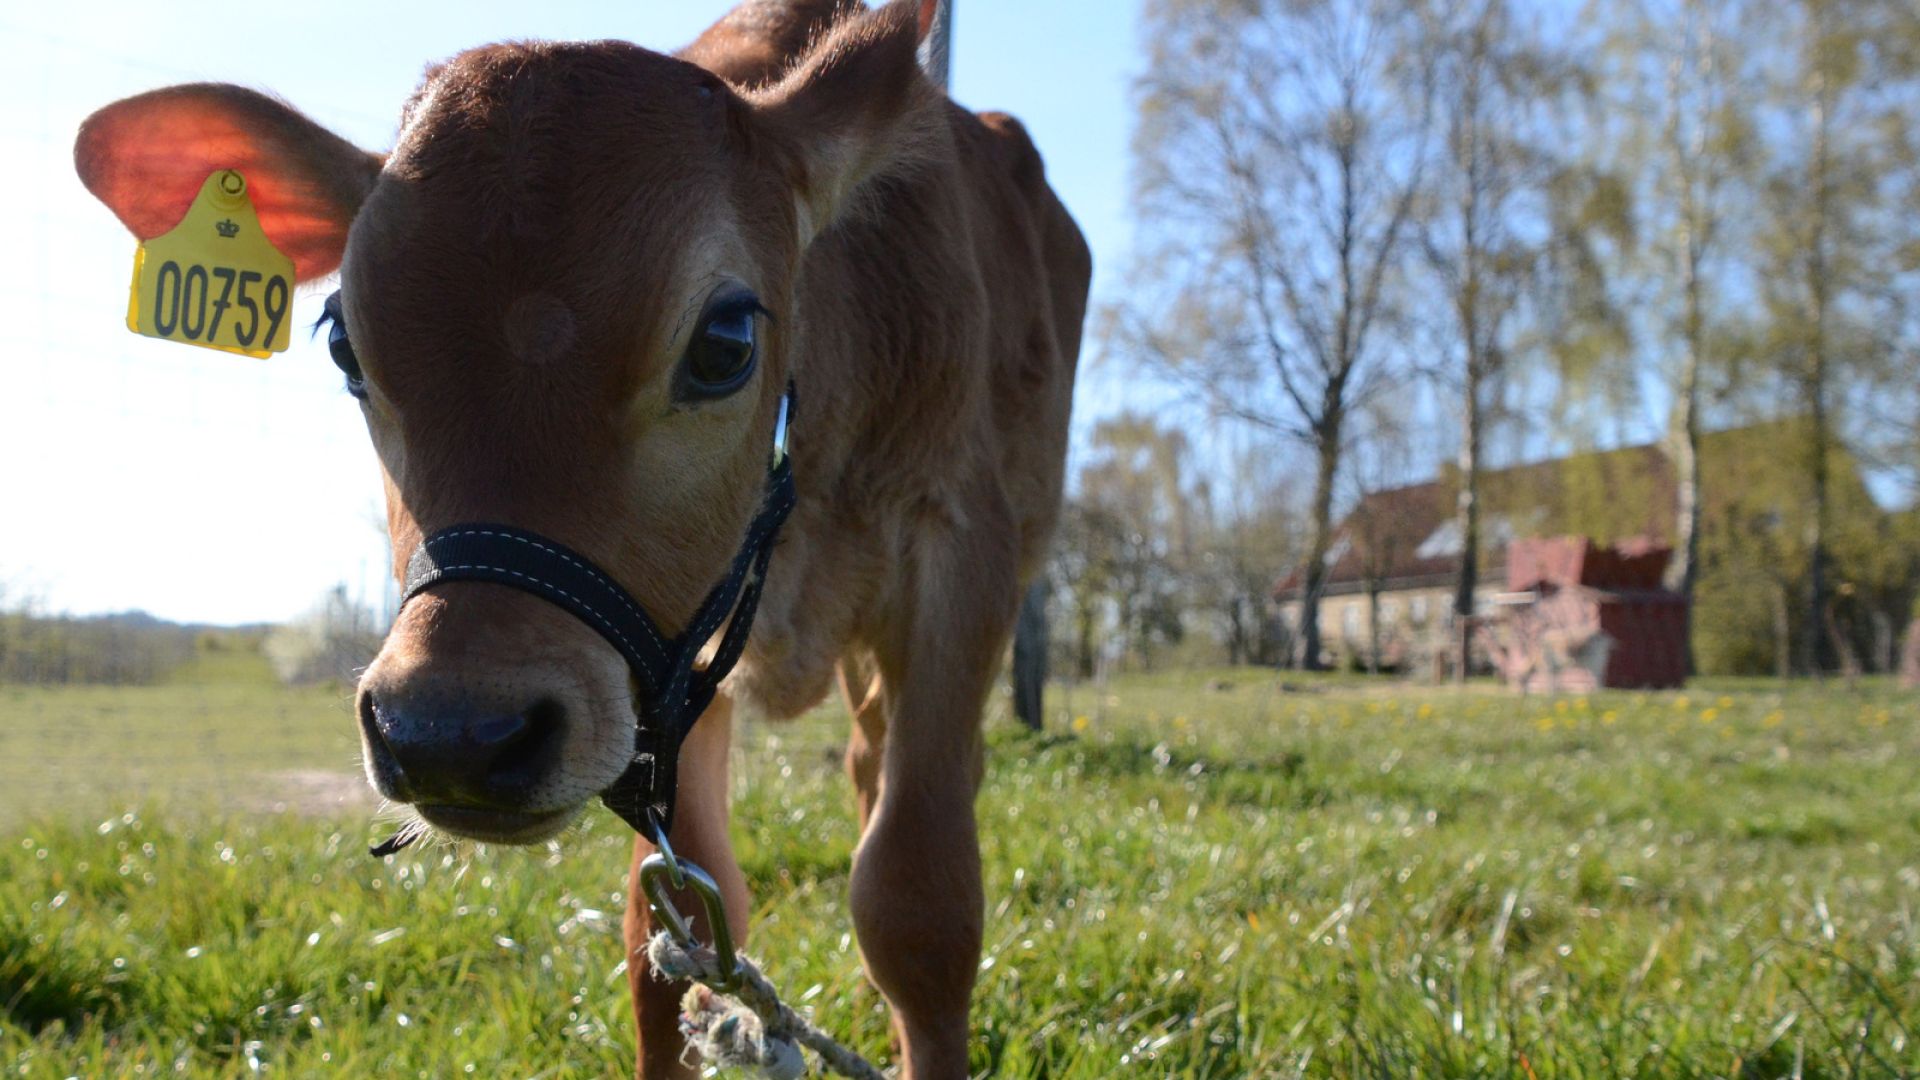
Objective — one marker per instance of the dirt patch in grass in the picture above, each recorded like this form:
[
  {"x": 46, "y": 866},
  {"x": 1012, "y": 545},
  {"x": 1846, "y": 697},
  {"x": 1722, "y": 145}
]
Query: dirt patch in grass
[{"x": 311, "y": 793}]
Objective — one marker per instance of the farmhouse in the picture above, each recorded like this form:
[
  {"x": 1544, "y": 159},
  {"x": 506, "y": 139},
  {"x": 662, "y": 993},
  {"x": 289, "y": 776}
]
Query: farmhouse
[{"x": 1388, "y": 600}]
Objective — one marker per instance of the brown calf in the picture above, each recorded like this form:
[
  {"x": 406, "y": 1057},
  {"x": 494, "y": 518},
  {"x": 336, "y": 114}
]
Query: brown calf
[{"x": 574, "y": 292}]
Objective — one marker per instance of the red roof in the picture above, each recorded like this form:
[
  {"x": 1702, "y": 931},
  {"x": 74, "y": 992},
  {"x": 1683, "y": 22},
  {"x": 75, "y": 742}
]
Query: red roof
[{"x": 1406, "y": 537}]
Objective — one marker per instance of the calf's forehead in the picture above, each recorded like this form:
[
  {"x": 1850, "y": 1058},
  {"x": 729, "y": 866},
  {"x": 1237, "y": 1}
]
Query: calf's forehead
[{"x": 599, "y": 177}]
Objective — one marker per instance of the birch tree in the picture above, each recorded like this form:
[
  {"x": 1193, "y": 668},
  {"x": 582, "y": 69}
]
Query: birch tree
[
  {"x": 1836, "y": 250},
  {"x": 1279, "y": 151},
  {"x": 1485, "y": 233}
]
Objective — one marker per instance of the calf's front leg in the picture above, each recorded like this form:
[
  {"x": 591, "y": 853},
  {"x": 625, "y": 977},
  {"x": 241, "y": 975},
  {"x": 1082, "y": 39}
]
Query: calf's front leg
[
  {"x": 916, "y": 901},
  {"x": 915, "y": 893}
]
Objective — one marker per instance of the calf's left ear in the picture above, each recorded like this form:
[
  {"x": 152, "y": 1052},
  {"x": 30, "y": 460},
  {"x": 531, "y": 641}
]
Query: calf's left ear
[
  {"x": 147, "y": 156},
  {"x": 858, "y": 108}
]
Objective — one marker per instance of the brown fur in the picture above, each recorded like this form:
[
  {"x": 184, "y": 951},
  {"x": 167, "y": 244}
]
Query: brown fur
[{"x": 520, "y": 279}]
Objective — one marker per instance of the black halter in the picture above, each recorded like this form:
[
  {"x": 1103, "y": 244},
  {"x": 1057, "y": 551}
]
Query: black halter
[{"x": 673, "y": 693}]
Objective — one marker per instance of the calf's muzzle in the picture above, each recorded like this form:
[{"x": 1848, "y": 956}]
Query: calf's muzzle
[{"x": 442, "y": 754}]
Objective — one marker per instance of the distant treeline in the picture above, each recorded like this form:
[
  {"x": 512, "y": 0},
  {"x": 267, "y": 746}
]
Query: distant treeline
[
  {"x": 116, "y": 650},
  {"x": 331, "y": 642}
]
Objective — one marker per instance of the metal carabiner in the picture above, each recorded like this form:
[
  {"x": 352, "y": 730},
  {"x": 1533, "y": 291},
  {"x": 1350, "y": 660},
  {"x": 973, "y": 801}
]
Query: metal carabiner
[{"x": 661, "y": 871}]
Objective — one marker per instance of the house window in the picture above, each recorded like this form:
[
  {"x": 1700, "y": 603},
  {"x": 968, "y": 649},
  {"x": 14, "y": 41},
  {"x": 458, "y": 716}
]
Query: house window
[
  {"x": 1417, "y": 608},
  {"x": 1350, "y": 620},
  {"x": 1389, "y": 611}
]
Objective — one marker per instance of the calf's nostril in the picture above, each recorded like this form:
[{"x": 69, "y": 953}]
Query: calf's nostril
[
  {"x": 545, "y": 714},
  {"x": 498, "y": 731},
  {"x": 530, "y": 747}
]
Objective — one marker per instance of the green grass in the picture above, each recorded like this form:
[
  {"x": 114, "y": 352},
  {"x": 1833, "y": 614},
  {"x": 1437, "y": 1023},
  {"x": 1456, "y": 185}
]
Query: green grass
[
  {"x": 1196, "y": 875},
  {"x": 220, "y": 734}
]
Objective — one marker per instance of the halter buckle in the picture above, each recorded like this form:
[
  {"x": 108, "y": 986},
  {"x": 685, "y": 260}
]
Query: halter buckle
[{"x": 780, "y": 429}]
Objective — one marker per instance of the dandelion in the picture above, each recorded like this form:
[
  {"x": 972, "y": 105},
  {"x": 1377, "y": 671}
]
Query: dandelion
[
  {"x": 1253, "y": 921},
  {"x": 1681, "y": 703},
  {"x": 1080, "y": 723},
  {"x": 1725, "y": 702},
  {"x": 1609, "y": 717},
  {"x": 1708, "y": 714},
  {"x": 1560, "y": 707},
  {"x": 1773, "y": 719},
  {"x": 1545, "y": 724},
  {"x": 1425, "y": 712}
]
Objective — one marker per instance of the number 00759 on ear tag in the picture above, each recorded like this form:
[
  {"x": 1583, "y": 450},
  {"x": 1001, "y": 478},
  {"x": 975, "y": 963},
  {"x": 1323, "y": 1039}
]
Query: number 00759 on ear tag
[{"x": 215, "y": 280}]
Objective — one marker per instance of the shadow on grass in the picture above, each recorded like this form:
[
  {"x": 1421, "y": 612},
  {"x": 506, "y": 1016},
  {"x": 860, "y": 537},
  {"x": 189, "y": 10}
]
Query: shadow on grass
[
  {"x": 43, "y": 984},
  {"x": 1267, "y": 780}
]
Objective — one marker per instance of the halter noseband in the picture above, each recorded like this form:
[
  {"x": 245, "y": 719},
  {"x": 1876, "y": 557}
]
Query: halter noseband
[{"x": 673, "y": 692}]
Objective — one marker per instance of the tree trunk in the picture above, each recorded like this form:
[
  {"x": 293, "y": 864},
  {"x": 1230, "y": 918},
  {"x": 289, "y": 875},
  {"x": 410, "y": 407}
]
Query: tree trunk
[
  {"x": 1030, "y": 655},
  {"x": 1468, "y": 511},
  {"x": 1910, "y": 657},
  {"x": 1812, "y": 656},
  {"x": 1683, "y": 571},
  {"x": 1840, "y": 634},
  {"x": 1782, "y": 633},
  {"x": 1083, "y": 641},
  {"x": 1237, "y": 643},
  {"x": 1373, "y": 626},
  {"x": 1816, "y": 392},
  {"x": 1319, "y": 541}
]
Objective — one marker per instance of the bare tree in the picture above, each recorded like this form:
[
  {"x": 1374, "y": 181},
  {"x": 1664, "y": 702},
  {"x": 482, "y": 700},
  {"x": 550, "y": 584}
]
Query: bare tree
[
  {"x": 1486, "y": 230},
  {"x": 1682, "y": 126},
  {"x": 1382, "y": 458},
  {"x": 1278, "y": 154}
]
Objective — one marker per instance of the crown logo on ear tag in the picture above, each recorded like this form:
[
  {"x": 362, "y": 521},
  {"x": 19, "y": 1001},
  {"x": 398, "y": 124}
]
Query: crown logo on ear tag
[{"x": 214, "y": 280}]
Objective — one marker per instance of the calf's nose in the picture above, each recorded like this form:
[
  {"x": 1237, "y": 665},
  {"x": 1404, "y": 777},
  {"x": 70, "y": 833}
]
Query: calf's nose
[{"x": 434, "y": 753}]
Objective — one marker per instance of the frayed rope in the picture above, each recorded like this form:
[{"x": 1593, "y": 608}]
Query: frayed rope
[{"x": 751, "y": 1029}]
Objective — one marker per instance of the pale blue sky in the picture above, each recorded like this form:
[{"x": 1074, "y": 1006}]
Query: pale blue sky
[{"x": 208, "y": 487}]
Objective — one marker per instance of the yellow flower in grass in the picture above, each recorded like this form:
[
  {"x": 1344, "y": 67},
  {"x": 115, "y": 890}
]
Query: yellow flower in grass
[
  {"x": 1424, "y": 712},
  {"x": 1545, "y": 724},
  {"x": 1080, "y": 724},
  {"x": 1773, "y": 719},
  {"x": 1681, "y": 702},
  {"x": 1609, "y": 717},
  {"x": 1709, "y": 714},
  {"x": 1725, "y": 702}
]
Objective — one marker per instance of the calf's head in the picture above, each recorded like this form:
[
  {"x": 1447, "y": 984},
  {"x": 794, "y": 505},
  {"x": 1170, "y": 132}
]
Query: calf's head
[{"x": 565, "y": 304}]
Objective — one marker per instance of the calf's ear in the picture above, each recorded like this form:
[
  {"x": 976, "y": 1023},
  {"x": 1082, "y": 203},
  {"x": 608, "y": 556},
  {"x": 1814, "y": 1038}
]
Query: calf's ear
[
  {"x": 856, "y": 109},
  {"x": 147, "y": 156}
]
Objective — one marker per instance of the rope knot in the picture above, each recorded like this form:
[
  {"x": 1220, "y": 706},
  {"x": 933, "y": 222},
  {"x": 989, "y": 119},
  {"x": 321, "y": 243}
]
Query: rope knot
[
  {"x": 728, "y": 1034},
  {"x": 754, "y": 1030}
]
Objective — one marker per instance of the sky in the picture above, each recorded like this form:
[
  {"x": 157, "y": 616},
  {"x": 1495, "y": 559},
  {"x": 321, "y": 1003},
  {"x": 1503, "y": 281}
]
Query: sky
[{"x": 206, "y": 487}]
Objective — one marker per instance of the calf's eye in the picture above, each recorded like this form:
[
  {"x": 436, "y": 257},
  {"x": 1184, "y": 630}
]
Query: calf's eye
[
  {"x": 340, "y": 347},
  {"x": 720, "y": 357}
]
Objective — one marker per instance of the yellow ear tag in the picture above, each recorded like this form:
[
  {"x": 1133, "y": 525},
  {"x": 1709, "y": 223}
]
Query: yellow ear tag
[{"x": 215, "y": 280}]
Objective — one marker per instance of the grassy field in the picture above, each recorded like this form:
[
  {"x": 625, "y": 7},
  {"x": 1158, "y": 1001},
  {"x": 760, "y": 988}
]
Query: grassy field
[{"x": 1196, "y": 875}]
